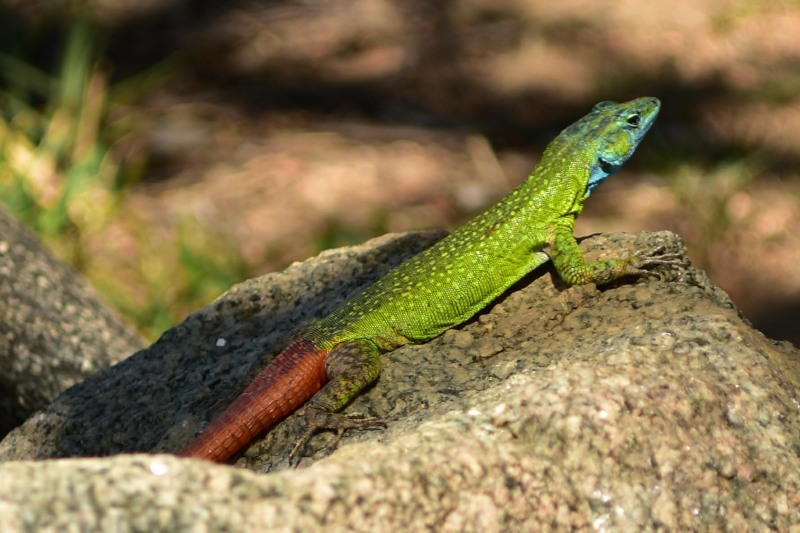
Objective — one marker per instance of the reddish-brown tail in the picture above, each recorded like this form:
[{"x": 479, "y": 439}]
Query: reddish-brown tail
[{"x": 289, "y": 381}]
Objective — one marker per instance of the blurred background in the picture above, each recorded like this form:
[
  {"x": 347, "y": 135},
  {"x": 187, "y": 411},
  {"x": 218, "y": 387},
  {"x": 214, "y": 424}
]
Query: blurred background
[{"x": 169, "y": 149}]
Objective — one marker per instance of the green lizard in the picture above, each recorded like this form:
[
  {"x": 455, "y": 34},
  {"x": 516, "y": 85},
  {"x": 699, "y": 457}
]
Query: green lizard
[{"x": 336, "y": 357}]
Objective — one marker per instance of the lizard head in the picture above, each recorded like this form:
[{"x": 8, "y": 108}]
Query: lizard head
[{"x": 613, "y": 131}]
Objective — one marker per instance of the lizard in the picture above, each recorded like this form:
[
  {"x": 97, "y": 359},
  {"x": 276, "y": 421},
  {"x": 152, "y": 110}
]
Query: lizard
[{"x": 330, "y": 361}]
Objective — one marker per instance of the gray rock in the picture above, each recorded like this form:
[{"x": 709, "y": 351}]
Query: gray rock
[
  {"x": 55, "y": 330},
  {"x": 649, "y": 404}
]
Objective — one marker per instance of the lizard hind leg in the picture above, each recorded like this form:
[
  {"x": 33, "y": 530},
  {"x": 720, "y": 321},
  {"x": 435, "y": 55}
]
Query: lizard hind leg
[{"x": 351, "y": 366}]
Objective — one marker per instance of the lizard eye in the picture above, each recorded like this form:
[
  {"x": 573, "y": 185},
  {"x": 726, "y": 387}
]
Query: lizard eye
[{"x": 634, "y": 120}]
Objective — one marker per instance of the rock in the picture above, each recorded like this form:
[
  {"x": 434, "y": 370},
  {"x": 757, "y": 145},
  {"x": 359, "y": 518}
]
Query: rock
[
  {"x": 55, "y": 330},
  {"x": 647, "y": 404}
]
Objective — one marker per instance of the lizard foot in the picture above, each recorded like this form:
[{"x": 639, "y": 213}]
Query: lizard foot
[
  {"x": 643, "y": 265},
  {"x": 318, "y": 420}
]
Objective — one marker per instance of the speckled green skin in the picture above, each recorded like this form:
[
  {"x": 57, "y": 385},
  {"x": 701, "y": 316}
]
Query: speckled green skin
[{"x": 453, "y": 280}]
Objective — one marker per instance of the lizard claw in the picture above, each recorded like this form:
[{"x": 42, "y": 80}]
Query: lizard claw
[
  {"x": 318, "y": 420},
  {"x": 643, "y": 264}
]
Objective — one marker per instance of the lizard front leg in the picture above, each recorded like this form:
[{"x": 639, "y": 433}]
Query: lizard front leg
[
  {"x": 575, "y": 270},
  {"x": 351, "y": 366}
]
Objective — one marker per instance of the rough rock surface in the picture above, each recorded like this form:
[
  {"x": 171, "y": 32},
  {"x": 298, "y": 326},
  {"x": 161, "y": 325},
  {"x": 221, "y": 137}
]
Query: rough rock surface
[
  {"x": 649, "y": 404},
  {"x": 55, "y": 330}
]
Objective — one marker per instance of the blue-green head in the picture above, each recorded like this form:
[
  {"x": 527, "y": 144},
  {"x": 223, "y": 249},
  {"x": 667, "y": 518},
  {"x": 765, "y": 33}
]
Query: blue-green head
[{"x": 611, "y": 132}]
